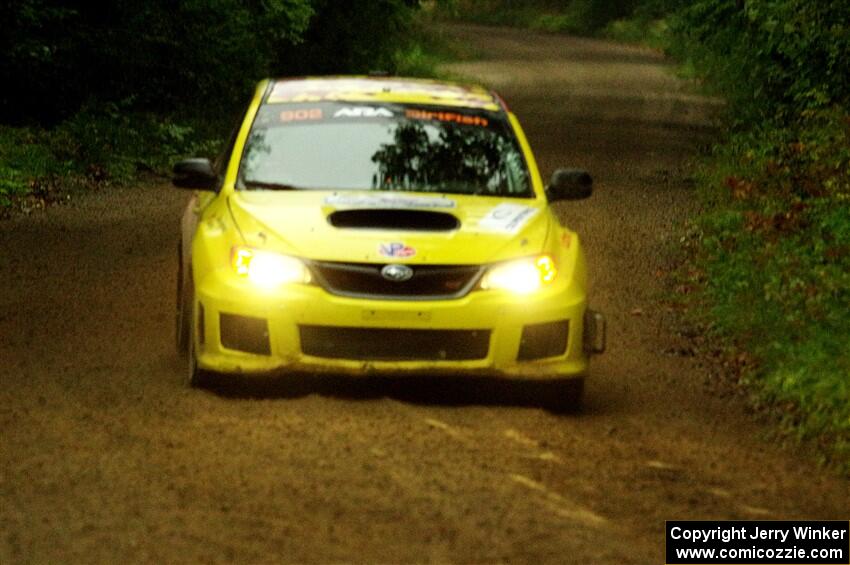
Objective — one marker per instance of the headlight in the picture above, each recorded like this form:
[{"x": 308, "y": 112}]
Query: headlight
[
  {"x": 522, "y": 276},
  {"x": 267, "y": 269}
]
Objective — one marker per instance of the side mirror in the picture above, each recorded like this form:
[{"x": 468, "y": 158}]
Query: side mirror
[
  {"x": 197, "y": 174},
  {"x": 569, "y": 184}
]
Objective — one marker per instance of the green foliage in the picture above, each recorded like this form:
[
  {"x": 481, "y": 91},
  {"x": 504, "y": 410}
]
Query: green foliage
[
  {"x": 92, "y": 90},
  {"x": 415, "y": 61},
  {"x": 583, "y": 17},
  {"x": 775, "y": 237},
  {"x": 769, "y": 58},
  {"x": 774, "y": 245},
  {"x": 593, "y": 15},
  {"x": 352, "y": 36},
  {"x": 157, "y": 55},
  {"x": 95, "y": 148},
  {"x": 648, "y": 31},
  {"x": 166, "y": 56},
  {"x": 21, "y": 160},
  {"x": 773, "y": 249}
]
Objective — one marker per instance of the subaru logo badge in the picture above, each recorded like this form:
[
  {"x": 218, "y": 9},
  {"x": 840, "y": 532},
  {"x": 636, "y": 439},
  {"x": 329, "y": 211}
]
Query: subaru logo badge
[{"x": 397, "y": 273}]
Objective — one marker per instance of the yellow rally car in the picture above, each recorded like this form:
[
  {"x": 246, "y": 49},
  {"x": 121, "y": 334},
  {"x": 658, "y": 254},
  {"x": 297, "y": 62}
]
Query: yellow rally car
[{"x": 360, "y": 225}]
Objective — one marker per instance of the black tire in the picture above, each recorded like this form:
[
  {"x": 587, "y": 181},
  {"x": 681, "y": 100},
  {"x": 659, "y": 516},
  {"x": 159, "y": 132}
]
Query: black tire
[
  {"x": 564, "y": 396},
  {"x": 195, "y": 376},
  {"x": 183, "y": 318}
]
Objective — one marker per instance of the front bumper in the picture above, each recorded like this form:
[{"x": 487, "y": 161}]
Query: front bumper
[{"x": 242, "y": 329}]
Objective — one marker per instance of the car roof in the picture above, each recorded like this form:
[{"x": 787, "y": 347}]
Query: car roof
[{"x": 383, "y": 89}]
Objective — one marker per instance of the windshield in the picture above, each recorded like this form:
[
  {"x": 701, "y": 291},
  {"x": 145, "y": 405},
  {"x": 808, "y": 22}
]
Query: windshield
[{"x": 345, "y": 146}]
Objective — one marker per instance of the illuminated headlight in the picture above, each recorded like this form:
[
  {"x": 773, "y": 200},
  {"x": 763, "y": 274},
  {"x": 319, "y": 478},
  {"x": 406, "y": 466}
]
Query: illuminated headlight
[
  {"x": 267, "y": 269},
  {"x": 523, "y": 276}
]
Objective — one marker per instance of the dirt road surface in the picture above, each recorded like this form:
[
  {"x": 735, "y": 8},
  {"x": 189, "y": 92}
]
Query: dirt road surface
[{"x": 107, "y": 456}]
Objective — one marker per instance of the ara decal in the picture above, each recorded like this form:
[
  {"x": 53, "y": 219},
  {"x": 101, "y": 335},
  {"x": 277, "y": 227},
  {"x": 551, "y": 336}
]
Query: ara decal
[
  {"x": 363, "y": 112},
  {"x": 396, "y": 250}
]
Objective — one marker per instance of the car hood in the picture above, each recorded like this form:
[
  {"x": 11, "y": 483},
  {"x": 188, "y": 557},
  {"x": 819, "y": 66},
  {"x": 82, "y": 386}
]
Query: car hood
[{"x": 380, "y": 227}]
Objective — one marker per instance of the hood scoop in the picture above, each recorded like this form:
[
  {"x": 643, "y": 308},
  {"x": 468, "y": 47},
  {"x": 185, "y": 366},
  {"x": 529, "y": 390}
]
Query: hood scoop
[{"x": 394, "y": 219}]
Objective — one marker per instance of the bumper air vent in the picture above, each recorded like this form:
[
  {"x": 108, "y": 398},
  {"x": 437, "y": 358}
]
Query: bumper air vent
[
  {"x": 543, "y": 340},
  {"x": 242, "y": 333},
  {"x": 366, "y": 344}
]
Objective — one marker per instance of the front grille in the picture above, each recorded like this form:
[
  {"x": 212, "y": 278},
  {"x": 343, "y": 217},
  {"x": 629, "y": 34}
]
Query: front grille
[
  {"x": 364, "y": 280},
  {"x": 365, "y": 344}
]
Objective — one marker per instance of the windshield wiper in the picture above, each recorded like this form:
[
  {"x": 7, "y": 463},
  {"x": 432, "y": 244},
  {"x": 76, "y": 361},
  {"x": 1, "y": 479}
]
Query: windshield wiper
[{"x": 269, "y": 185}]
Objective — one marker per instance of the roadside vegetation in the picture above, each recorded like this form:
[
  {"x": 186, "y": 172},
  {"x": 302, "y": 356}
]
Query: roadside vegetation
[
  {"x": 768, "y": 267},
  {"x": 568, "y": 16},
  {"x": 97, "y": 94},
  {"x": 772, "y": 248}
]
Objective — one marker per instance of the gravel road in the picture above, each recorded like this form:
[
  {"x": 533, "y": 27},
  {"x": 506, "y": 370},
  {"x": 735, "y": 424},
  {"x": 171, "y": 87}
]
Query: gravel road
[{"x": 108, "y": 457}]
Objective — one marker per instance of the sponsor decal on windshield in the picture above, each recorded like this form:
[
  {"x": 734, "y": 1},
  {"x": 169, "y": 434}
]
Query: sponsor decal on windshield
[
  {"x": 363, "y": 112},
  {"x": 388, "y": 201},
  {"x": 396, "y": 250},
  {"x": 507, "y": 218},
  {"x": 453, "y": 117},
  {"x": 309, "y": 114}
]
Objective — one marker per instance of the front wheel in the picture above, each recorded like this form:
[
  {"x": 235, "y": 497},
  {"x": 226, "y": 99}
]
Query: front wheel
[
  {"x": 196, "y": 377},
  {"x": 185, "y": 297}
]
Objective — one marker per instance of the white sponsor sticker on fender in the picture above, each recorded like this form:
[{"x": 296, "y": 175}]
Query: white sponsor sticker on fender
[
  {"x": 507, "y": 218},
  {"x": 391, "y": 201}
]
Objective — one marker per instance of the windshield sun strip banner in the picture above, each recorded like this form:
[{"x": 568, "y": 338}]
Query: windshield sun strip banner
[
  {"x": 365, "y": 89},
  {"x": 336, "y": 112}
]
